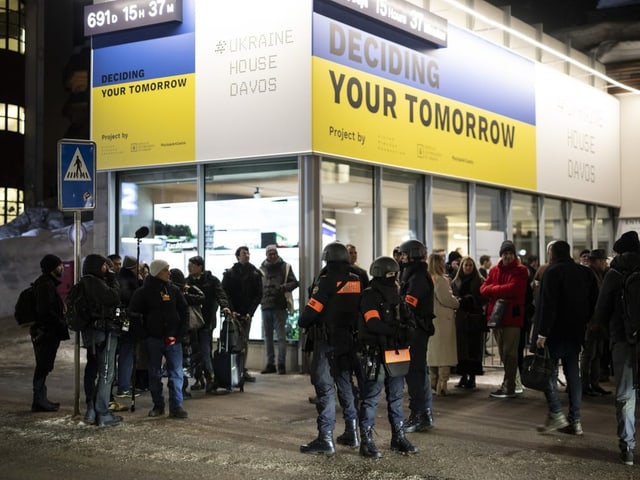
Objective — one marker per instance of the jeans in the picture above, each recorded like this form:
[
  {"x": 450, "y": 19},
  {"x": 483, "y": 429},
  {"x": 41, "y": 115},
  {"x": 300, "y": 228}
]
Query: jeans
[
  {"x": 567, "y": 352},
  {"x": 418, "y": 384},
  {"x": 625, "y": 395},
  {"x": 105, "y": 362},
  {"x": 372, "y": 389},
  {"x": 325, "y": 383},
  {"x": 508, "y": 340},
  {"x": 156, "y": 349},
  {"x": 275, "y": 319},
  {"x": 204, "y": 340},
  {"x": 125, "y": 365}
]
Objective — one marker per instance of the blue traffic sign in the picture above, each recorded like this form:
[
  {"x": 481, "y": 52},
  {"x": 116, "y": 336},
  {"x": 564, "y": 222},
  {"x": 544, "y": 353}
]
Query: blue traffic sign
[{"x": 76, "y": 175}]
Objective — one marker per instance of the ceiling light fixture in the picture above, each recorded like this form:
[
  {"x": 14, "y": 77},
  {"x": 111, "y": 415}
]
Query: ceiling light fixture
[
  {"x": 540, "y": 45},
  {"x": 257, "y": 193},
  {"x": 356, "y": 209}
]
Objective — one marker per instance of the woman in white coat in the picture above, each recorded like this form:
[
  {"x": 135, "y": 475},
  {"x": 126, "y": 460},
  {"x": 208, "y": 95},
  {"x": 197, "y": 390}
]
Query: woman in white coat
[{"x": 442, "y": 352}]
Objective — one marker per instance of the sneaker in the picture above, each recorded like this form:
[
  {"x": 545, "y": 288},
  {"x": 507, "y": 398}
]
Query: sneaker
[
  {"x": 117, "y": 407},
  {"x": 519, "y": 390},
  {"x": 126, "y": 394},
  {"x": 269, "y": 369},
  {"x": 178, "y": 412},
  {"x": 555, "y": 421},
  {"x": 574, "y": 428},
  {"x": 156, "y": 412},
  {"x": 500, "y": 393},
  {"x": 108, "y": 420},
  {"x": 626, "y": 456}
]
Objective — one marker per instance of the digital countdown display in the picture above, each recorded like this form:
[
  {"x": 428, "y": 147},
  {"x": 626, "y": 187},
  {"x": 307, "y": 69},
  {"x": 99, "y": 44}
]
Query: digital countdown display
[{"x": 126, "y": 14}]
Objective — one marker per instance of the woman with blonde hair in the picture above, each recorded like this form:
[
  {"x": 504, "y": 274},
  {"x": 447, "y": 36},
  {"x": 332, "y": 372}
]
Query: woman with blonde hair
[
  {"x": 471, "y": 324},
  {"x": 442, "y": 353}
]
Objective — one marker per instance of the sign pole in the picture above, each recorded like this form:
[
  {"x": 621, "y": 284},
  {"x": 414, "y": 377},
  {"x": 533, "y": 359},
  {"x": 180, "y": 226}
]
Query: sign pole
[{"x": 76, "y": 278}]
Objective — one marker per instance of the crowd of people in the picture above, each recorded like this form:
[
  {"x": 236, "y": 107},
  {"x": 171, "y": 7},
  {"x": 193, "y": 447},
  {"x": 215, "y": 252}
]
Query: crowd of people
[{"x": 416, "y": 320}]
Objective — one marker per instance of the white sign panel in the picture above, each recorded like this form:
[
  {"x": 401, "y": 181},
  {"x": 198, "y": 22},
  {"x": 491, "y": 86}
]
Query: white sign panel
[
  {"x": 578, "y": 141},
  {"x": 253, "y": 86}
]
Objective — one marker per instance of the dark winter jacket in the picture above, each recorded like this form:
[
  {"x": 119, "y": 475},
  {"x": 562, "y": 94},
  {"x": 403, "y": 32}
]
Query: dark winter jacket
[
  {"x": 162, "y": 307},
  {"x": 608, "y": 312},
  {"x": 49, "y": 307},
  {"x": 417, "y": 293},
  {"x": 379, "y": 307},
  {"x": 215, "y": 296},
  {"x": 243, "y": 286},
  {"x": 128, "y": 284},
  {"x": 274, "y": 284},
  {"x": 510, "y": 283},
  {"x": 567, "y": 296}
]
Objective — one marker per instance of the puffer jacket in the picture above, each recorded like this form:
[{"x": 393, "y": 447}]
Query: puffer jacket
[
  {"x": 274, "y": 284},
  {"x": 510, "y": 283}
]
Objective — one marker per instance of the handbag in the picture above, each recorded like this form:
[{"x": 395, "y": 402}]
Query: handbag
[
  {"x": 196, "y": 320},
  {"x": 396, "y": 362},
  {"x": 537, "y": 370},
  {"x": 497, "y": 314}
]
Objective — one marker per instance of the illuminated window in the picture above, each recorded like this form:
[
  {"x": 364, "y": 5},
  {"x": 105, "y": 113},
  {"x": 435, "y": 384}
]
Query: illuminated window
[
  {"x": 11, "y": 204},
  {"x": 12, "y": 118},
  {"x": 12, "y": 33}
]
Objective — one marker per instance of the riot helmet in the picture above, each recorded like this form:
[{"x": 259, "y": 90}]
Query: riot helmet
[
  {"x": 335, "y": 252},
  {"x": 384, "y": 267},
  {"x": 414, "y": 249}
]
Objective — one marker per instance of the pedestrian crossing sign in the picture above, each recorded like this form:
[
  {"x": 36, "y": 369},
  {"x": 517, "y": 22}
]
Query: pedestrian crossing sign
[{"x": 76, "y": 174}]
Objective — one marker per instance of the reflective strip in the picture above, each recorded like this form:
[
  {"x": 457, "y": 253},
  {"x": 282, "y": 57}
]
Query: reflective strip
[
  {"x": 316, "y": 305},
  {"x": 368, "y": 315},
  {"x": 411, "y": 300},
  {"x": 350, "y": 287}
]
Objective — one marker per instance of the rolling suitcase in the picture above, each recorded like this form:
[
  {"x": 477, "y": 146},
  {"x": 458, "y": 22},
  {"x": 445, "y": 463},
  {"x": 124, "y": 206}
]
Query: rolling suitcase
[{"x": 228, "y": 360}]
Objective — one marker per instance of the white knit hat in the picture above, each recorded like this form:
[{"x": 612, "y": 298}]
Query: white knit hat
[{"x": 157, "y": 266}]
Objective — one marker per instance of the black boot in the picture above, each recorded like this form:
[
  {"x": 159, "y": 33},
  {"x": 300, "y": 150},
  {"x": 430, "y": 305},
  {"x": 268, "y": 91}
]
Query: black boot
[
  {"x": 419, "y": 421},
  {"x": 399, "y": 441},
  {"x": 350, "y": 436},
  {"x": 472, "y": 382},
  {"x": 368, "y": 447},
  {"x": 322, "y": 445},
  {"x": 463, "y": 382}
]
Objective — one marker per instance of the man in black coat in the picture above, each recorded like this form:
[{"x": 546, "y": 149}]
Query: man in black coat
[
  {"x": 48, "y": 330},
  {"x": 568, "y": 292}
]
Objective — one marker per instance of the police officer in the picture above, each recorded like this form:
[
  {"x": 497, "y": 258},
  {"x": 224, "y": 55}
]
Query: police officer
[
  {"x": 331, "y": 315},
  {"x": 382, "y": 330},
  {"x": 416, "y": 308}
]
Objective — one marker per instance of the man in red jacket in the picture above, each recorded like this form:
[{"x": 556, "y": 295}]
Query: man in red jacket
[{"x": 507, "y": 280}]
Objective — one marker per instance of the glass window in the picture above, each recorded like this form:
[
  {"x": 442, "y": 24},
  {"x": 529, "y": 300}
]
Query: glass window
[
  {"x": 524, "y": 213},
  {"x": 490, "y": 222},
  {"x": 450, "y": 217},
  {"x": 12, "y": 30},
  {"x": 604, "y": 228},
  {"x": 164, "y": 201},
  {"x": 582, "y": 228},
  {"x": 11, "y": 204},
  {"x": 347, "y": 206},
  {"x": 253, "y": 205},
  {"x": 402, "y": 214},
  {"x": 554, "y": 222}
]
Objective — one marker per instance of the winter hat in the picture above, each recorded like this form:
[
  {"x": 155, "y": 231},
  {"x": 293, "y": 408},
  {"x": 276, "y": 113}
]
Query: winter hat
[
  {"x": 157, "y": 266},
  {"x": 128, "y": 262},
  {"x": 49, "y": 263},
  {"x": 271, "y": 247},
  {"x": 628, "y": 242},
  {"x": 177, "y": 277},
  {"x": 507, "y": 246},
  {"x": 92, "y": 265}
]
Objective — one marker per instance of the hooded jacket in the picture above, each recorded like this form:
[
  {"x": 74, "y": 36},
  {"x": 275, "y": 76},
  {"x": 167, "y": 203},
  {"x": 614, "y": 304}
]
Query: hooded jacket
[{"x": 510, "y": 283}]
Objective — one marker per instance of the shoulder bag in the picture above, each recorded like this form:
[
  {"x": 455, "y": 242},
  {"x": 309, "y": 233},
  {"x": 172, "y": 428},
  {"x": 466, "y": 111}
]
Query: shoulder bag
[
  {"x": 537, "y": 370},
  {"x": 497, "y": 314}
]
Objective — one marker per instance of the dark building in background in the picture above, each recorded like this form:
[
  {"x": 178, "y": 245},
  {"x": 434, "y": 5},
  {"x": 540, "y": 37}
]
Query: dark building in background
[{"x": 44, "y": 96}]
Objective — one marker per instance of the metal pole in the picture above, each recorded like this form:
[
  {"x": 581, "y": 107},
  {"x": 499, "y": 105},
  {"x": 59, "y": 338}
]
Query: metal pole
[{"x": 76, "y": 279}]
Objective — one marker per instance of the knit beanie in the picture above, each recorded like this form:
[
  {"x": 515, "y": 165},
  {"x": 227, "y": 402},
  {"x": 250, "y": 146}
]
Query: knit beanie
[
  {"x": 128, "y": 262},
  {"x": 49, "y": 263},
  {"x": 507, "y": 246},
  {"x": 157, "y": 266},
  {"x": 628, "y": 242}
]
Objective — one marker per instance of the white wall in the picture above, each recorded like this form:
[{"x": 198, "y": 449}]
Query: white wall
[{"x": 630, "y": 155}]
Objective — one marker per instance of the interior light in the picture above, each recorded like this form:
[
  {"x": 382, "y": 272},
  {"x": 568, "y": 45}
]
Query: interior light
[
  {"x": 356, "y": 209},
  {"x": 257, "y": 193}
]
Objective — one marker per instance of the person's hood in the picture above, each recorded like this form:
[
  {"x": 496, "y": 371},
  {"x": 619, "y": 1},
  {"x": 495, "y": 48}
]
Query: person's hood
[{"x": 92, "y": 265}]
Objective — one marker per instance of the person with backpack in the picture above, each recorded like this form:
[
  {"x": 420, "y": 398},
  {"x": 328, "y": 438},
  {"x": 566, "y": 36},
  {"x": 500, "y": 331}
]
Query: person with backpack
[
  {"x": 616, "y": 302},
  {"x": 48, "y": 330},
  {"x": 100, "y": 292},
  {"x": 568, "y": 292}
]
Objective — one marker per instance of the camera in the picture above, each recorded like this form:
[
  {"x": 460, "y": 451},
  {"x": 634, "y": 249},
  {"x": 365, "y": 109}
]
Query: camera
[{"x": 121, "y": 319}]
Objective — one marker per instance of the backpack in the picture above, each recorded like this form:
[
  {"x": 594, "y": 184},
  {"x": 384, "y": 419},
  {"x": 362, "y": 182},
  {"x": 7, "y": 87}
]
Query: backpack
[
  {"x": 77, "y": 314},
  {"x": 25, "y": 311},
  {"x": 631, "y": 304}
]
